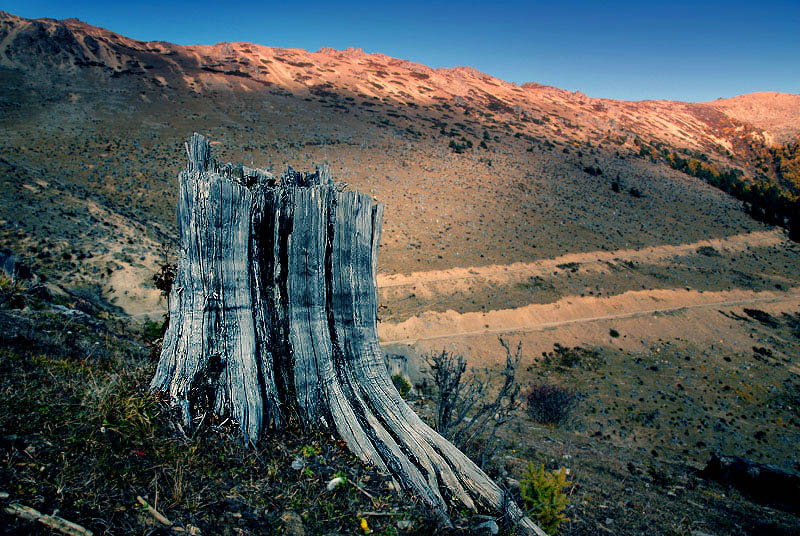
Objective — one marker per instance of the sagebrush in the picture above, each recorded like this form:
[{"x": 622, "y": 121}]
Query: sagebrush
[{"x": 549, "y": 403}]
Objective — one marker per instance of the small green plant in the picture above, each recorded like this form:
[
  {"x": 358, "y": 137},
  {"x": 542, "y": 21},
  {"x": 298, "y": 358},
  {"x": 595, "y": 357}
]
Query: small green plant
[
  {"x": 460, "y": 147},
  {"x": 12, "y": 292},
  {"x": 543, "y": 496},
  {"x": 130, "y": 415},
  {"x": 593, "y": 171},
  {"x": 707, "y": 251},
  {"x": 401, "y": 384},
  {"x": 153, "y": 330},
  {"x": 307, "y": 472},
  {"x": 309, "y": 451}
]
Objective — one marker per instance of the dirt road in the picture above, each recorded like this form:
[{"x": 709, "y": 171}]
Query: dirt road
[
  {"x": 457, "y": 279},
  {"x": 571, "y": 310}
]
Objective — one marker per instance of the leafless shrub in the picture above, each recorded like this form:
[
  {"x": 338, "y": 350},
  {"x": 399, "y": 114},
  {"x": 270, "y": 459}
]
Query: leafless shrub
[
  {"x": 466, "y": 414},
  {"x": 549, "y": 403}
]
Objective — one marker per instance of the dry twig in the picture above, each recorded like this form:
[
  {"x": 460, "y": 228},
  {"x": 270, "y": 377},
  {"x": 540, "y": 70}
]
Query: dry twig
[
  {"x": 158, "y": 516},
  {"x": 54, "y": 522}
]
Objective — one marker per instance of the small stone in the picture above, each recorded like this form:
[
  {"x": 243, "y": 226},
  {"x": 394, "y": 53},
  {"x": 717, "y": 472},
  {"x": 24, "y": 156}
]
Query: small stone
[
  {"x": 700, "y": 533},
  {"x": 292, "y": 524},
  {"x": 405, "y": 524},
  {"x": 512, "y": 483},
  {"x": 298, "y": 464}
]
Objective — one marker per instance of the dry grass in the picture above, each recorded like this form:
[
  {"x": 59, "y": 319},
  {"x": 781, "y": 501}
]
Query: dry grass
[{"x": 81, "y": 435}]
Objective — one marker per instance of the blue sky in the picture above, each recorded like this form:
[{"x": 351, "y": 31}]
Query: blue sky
[{"x": 692, "y": 51}]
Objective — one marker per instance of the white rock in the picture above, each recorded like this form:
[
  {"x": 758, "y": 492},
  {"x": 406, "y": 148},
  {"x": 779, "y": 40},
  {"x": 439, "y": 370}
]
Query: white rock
[{"x": 335, "y": 483}]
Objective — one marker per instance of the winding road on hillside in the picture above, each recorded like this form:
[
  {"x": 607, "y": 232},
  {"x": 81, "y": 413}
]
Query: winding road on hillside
[
  {"x": 518, "y": 271},
  {"x": 438, "y": 326},
  {"x": 571, "y": 310}
]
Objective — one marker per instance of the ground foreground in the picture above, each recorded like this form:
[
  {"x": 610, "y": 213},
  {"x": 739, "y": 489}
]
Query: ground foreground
[{"x": 81, "y": 437}]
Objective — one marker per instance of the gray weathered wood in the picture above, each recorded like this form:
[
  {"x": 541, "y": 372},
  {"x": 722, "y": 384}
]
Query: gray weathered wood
[{"x": 273, "y": 317}]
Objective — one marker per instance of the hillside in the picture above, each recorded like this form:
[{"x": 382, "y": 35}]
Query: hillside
[
  {"x": 94, "y": 123},
  {"x": 775, "y": 113}
]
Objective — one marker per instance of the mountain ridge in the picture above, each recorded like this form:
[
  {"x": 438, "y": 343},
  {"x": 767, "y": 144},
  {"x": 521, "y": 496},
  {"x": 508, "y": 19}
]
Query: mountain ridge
[{"x": 73, "y": 45}]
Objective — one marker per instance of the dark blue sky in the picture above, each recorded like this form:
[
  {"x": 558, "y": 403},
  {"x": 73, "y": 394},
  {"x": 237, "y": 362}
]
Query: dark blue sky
[{"x": 691, "y": 51}]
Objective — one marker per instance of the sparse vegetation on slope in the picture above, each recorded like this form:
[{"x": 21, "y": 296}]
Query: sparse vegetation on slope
[{"x": 765, "y": 201}]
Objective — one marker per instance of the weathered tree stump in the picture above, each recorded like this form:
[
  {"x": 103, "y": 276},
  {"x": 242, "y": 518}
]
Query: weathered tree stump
[{"x": 273, "y": 317}]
